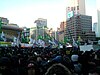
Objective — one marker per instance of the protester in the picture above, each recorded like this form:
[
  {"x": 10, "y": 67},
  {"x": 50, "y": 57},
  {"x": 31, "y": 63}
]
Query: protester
[{"x": 48, "y": 61}]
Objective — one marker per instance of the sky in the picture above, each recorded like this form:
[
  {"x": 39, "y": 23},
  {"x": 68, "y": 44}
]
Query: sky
[
  {"x": 25, "y": 12},
  {"x": 91, "y": 9}
]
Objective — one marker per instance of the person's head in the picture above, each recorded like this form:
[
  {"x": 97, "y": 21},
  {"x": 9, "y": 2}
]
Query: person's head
[
  {"x": 58, "y": 69},
  {"x": 95, "y": 71},
  {"x": 4, "y": 64},
  {"x": 39, "y": 59},
  {"x": 93, "y": 74},
  {"x": 74, "y": 58},
  {"x": 31, "y": 69}
]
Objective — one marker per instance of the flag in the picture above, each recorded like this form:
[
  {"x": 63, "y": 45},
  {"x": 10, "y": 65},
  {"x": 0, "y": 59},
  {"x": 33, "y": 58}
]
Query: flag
[
  {"x": 56, "y": 41},
  {"x": 40, "y": 42},
  {"x": 40, "y": 37},
  {"x": 23, "y": 40},
  {"x": 47, "y": 37},
  {"x": 3, "y": 36},
  {"x": 31, "y": 41},
  {"x": 18, "y": 40},
  {"x": 66, "y": 40},
  {"x": 79, "y": 40},
  {"x": 45, "y": 26},
  {"x": 14, "y": 39},
  {"x": 43, "y": 43},
  {"x": 49, "y": 41},
  {"x": 74, "y": 43}
]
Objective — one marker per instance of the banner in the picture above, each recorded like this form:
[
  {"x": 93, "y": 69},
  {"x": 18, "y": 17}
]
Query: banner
[{"x": 6, "y": 44}]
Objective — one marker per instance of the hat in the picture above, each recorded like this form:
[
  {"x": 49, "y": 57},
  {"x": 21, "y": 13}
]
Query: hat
[
  {"x": 4, "y": 61},
  {"x": 58, "y": 59},
  {"x": 74, "y": 58}
]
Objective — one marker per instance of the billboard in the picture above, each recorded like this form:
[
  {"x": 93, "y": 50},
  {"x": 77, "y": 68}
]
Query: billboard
[{"x": 70, "y": 14}]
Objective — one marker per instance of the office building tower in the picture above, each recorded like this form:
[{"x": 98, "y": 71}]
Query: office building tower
[
  {"x": 75, "y": 7},
  {"x": 98, "y": 16},
  {"x": 80, "y": 26},
  {"x": 41, "y": 25},
  {"x": 94, "y": 28},
  {"x": 4, "y": 21}
]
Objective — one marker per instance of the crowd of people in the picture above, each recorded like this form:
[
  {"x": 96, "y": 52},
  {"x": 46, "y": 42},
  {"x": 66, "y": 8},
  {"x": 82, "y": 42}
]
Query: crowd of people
[{"x": 48, "y": 61}]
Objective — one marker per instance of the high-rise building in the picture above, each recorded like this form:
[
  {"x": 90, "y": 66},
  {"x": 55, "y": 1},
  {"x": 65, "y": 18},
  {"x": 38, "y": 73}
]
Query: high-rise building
[
  {"x": 41, "y": 24},
  {"x": 79, "y": 26},
  {"x": 25, "y": 35},
  {"x": 94, "y": 28},
  {"x": 61, "y": 31},
  {"x": 98, "y": 26},
  {"x": 62, "y": 26},
  {"x": 4, "y": 21},
  {"x": 75, "y": 7},
  {"x": 98, "y": 15}
]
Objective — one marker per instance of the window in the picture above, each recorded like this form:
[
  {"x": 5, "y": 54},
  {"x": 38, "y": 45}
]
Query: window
[
  {"x": 74, "y": 8},
  {"x": 77, "y": 7},
  {"x": 71, "y": 8}
]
